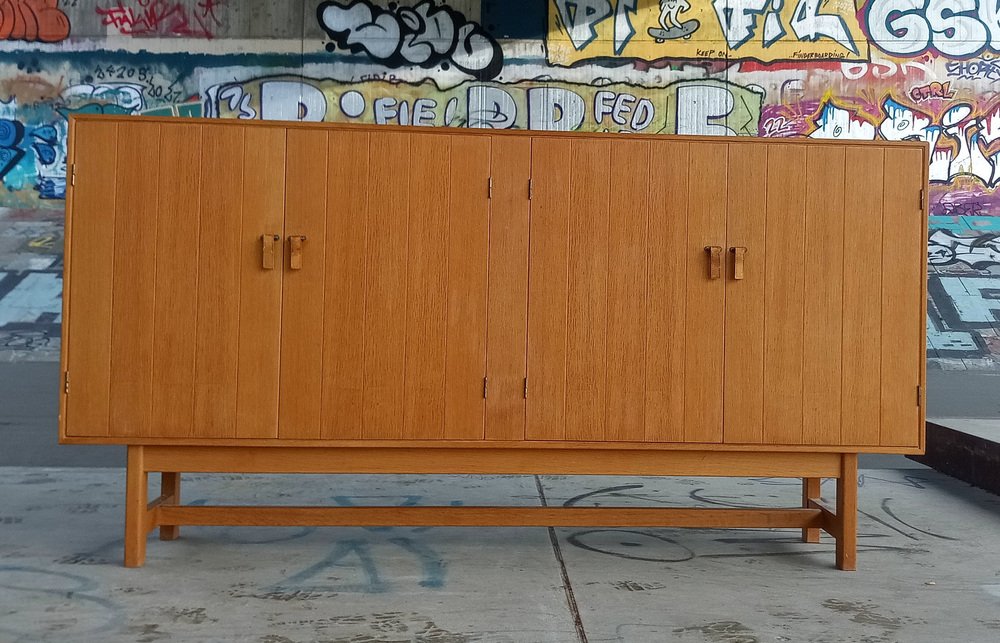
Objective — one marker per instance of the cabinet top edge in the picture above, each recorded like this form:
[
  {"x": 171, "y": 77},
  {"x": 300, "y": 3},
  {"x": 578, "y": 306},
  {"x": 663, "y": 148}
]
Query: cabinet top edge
[{"x": 465, "y": 131}]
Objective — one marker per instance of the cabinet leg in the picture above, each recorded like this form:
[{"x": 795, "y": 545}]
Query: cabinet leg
[
  {"x": 810, "y": 489},
  {"x": 847, "y": 513},
  {"x": 136, "y": 501},
  {"x": 170, "y": 487}
]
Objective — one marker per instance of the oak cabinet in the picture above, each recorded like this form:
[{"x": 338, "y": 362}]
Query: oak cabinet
[
  {"x": 295, "y": 283},
  {"x": 251, "y": 285}
]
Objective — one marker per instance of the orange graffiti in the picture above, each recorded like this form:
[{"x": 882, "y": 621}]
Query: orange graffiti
[{"x": 33, "y": 20}]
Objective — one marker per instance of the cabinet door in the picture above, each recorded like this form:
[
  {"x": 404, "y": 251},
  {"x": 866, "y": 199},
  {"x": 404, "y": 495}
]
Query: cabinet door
[
  {"x": 625, "y": 317},
  {"x": 824, "y": 338},
  {"x": 384, "y": 324},
  {"x": 165, "y": 264}
]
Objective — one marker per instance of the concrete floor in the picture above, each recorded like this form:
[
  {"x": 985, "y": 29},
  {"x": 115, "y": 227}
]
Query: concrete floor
[{"x": 929, "y": 569}]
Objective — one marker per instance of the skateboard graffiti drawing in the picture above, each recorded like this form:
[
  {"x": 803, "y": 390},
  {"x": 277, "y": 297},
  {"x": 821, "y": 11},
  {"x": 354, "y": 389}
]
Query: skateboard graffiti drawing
[{"x": 673, "y": 27}]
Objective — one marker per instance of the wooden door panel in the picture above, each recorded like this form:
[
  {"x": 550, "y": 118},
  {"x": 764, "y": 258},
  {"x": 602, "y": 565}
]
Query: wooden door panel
[
  {"x": 175, "y": 315},
  {"x": 706, "y": 302},
  {"x": 300, "y": 395},
  {"x": 507, "y": 321},
  {"x": 426, "y": 287},
  {"x": 902, "y": 358},
  {"x": 746, "y": 222},
  {"x": 822, "y": 334},
  {"x": 467, "y": 265},
  {"x": 385, "y": 286},
  {"x": 587, "y": 290},
  {"x": 862, "y": 307},
  {"x": 383, "y": 329},
  {"x": 548, "y": 288},
  {"x": 667, "y": 283},
  {"x": 628, "y": 252},
  {"x": 784, "y": 294},
  {"x": 218, "y": 296},
  {"x": 91, "y": 230},
  {"x": 134, "y": 280},
  {"x": 260, "y": 289},
  {"x": 344, "y": 331}
]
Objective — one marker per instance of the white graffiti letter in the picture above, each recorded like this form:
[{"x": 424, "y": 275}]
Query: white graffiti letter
[
  {"x": 738, "y": 19},
  {"x": 699, "y": 105},
  {"x": 897, "y": 27},
  {"x": 286, "y": 100},
  {"x": 809, "y": 24},
  {"x": 581, "y": 17},
  {"x": 956, "y": 33},
  {"x": 491, "y": 108},
  {"x": 554, "y": 108}
]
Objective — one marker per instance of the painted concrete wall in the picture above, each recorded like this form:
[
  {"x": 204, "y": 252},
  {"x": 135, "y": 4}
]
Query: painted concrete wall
[{"x": 865, "y": 69}]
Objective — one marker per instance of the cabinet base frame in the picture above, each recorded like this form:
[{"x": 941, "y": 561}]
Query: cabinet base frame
[{"x": 168, "y": 515}]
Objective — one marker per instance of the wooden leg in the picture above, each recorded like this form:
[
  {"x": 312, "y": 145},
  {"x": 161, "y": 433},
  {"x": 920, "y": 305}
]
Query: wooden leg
[
  {"x": 847, "y": 513},
  {"x": 136, "y": 492},
  {"x": 170, "y": 487},
  {"x": 810, "y": 489}
]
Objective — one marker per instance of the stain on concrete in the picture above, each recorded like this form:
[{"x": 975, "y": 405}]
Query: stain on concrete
[
  {"x": 863, "y": 613},
  {"x": 636, "y": 586},
  {"x": 723, "y": 632}
]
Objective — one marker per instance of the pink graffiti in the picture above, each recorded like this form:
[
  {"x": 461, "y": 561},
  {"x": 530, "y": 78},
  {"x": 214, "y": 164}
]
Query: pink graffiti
[{"x": 163, "y": 18}]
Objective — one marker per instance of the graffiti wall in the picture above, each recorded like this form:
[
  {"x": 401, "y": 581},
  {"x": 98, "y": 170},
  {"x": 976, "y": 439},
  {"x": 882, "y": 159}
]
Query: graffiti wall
[{"x": 860, "y": 69}]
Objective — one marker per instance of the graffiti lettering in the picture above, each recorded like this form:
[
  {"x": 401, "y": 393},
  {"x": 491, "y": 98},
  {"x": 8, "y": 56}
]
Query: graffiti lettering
[
  {"x": 162, "y": 18},
  {"x": 33, "y": 21},
  {"x": 979, "y": 253},
  {"x": 953, "y": 28},
  {"x": 974, "y": 69},
  {"x": 11, "y": 134},
  {"x": 934, "y": 90},
  {"x": 426, "y": 35},
  {"x": 764, "y": 30},
  {"x": 687, "y": 107}
]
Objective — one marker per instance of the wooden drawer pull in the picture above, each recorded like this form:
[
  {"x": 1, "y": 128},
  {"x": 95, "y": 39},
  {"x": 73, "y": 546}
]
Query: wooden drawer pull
[
  {"x": 267, "y": 244},
  {"x": 714, "y": 261},
  {"x": 295, "y": 244},
  {"x": 738, "y": 254}
]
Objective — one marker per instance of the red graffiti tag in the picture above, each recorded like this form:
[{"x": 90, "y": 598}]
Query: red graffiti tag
[
  {"x": 934, "y": 90},
  {"x": 33, "y": 21},
  {"x": 162, "y": 18}
]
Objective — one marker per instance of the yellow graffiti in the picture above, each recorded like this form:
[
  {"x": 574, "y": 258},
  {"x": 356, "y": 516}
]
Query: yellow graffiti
[
  {"x": 42, "y": 243},
  {"x": 801, "y": 30}
]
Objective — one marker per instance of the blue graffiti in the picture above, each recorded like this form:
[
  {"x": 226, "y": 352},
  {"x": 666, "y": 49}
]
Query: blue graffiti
[{"x": 11, "y": 134}]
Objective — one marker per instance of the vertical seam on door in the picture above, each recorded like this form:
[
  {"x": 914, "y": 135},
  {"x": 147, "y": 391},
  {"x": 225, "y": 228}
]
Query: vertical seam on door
[
  {"x": 764, "y": 434},
  {"x": 239, "y": 289},
  {"x": 605, "y": 427},
  {"x": 843, "y": 296},
  {"x": 566, "y": 209},
  {"x": 489, "y": 255},
  {"x": 146, "y": 428},
  {"x": 281, "y": 281},
  {"x": 881, "y": 296},
  {"x": 364, "y": 280},
  {"x": 323, "y": 289},
  {"x": 802, "y": 300},
  {"x": 114, "y": 262},
  {"x": 443, "y": 429},
  {"x": 645, "y": 299},
  {"x": 406, "y": 291},
  {"x": 528, "y": 212}
]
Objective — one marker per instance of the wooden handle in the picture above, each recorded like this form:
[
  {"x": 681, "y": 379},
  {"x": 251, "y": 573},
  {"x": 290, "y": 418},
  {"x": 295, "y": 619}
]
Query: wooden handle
[
  {"x": 267, "y": 243},
  {"x": 714, "y": 261},
  {"x": 738, "y": 254},
  {"x": 295, "y": 245}
]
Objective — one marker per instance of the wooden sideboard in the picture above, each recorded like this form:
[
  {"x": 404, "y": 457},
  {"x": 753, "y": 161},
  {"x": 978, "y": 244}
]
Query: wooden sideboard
[{"x": 286, "y": 297}]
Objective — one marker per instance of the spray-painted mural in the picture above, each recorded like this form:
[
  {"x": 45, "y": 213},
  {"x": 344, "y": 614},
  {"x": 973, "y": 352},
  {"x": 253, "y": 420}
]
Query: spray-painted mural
[{"x": 859, "y": 69}]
